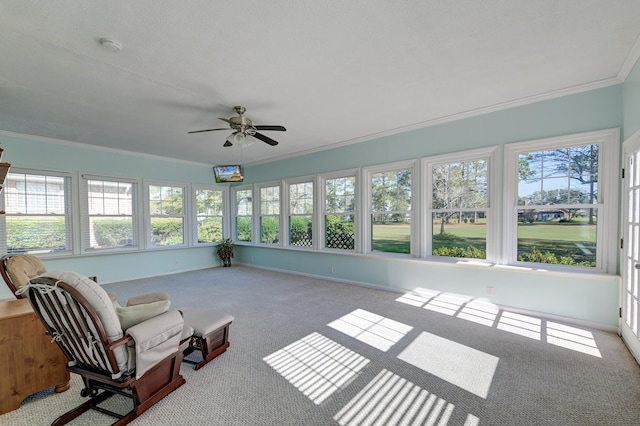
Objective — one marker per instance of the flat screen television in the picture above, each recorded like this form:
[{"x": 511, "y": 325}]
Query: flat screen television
[{"x": 231, "y": 173}]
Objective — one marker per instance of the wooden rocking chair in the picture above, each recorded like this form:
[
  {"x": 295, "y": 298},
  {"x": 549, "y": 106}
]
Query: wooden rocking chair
[{"x": 142, "y": 362}]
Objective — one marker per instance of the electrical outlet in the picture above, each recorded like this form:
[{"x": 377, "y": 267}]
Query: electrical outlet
[
  {"x": 332, "y": 269},
  {"x": 489, "y": 289}
]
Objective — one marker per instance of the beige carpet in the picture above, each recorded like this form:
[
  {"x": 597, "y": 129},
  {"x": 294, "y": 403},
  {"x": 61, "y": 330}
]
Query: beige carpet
[{"x": 306, "y": 351}]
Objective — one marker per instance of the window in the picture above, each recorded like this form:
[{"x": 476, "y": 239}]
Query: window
[
  {"x": 390, "y": 215},
  {"x": 458, "y": 214},
  {"x": 300, "y": 214},
  {"x": 166, "y": 215},
  {"x": 270, "y": 215},
  {"x": 339, "y": 212},
  {"x": 38, "y": 212},
  {"x": 244, "y": 214},
  {"x": 563, "y": 195},
  {"x": 109, "y": 213},
  {"x": 209, "y": 214}
]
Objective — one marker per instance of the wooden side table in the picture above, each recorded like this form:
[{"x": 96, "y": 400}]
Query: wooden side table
[{"x": 29, "y": 362}]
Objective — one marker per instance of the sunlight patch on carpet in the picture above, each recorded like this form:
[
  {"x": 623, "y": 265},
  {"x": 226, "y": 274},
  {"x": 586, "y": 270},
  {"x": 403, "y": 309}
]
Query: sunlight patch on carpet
[
  {"x": 522, "y": 325},
  {"x": 572, "y": 338},
  {"x": 485, "y": 313},
  {"x": 317, "y": 366},
  {"x": 375, "y": 330},
  {"x": 392, "y": 400},
  {"x": 480, "y": 312},
  {"x": 460, "y": 365}
]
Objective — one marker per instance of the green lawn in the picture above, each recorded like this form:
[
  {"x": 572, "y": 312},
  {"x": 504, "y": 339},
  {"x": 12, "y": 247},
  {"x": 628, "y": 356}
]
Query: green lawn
[{"x": 576, "y": 239}]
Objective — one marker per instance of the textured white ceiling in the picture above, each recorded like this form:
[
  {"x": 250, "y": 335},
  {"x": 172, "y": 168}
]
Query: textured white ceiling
[{"x": 331, "y": 71}]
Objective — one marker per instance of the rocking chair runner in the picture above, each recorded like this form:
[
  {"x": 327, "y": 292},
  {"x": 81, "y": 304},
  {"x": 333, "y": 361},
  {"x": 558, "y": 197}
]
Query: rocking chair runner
[{"x": 142, "y": 363}]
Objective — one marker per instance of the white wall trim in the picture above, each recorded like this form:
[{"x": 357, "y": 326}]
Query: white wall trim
[
  {"x": 630, "y": 62},
  {"x": 612, "y": 81}
]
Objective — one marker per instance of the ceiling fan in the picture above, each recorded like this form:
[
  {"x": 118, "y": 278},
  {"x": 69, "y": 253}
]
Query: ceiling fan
[{"x": 244, "y": 131}]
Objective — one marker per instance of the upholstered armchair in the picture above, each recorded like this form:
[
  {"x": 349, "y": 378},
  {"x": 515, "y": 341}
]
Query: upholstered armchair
[{"x": 134, "y": 351}]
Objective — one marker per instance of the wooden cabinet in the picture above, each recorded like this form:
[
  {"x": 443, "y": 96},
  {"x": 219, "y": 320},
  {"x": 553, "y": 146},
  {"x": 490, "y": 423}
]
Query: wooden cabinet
[{"x": 29, "y": 362}]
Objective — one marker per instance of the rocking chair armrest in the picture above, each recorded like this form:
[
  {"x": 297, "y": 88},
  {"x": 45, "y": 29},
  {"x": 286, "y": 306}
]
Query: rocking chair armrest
[
  {"x": 121, "y": 341},
  {"x": 155, "y": 339}
]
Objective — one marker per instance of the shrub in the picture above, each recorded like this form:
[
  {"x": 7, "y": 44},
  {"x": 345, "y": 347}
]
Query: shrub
[
  {"x": 113, "y": 232},
  {"x": 466, "y": 252},
  {"x": 537, "y": 256}
]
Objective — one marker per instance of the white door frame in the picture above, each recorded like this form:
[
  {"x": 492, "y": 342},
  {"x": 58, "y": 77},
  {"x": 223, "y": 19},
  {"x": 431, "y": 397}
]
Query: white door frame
[{"x": 630, "y": 253}]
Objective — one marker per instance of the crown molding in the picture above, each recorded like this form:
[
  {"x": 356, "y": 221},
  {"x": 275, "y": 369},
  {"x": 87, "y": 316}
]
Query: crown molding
[
  {"x": 630, "y": 62},
  {"x": 458, "y": 116}
]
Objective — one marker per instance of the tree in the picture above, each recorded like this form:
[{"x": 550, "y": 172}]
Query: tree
[
  {"x": 391, "y": 192},
  {"x": 457, "y": 186},
  {"x": 578, "y": 164}
]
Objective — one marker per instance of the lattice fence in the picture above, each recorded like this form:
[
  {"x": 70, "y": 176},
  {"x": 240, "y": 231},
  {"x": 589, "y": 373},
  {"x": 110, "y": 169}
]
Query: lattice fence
[
  {"x": 301, "y": 239},
  {"x": 341, "y": 240}
]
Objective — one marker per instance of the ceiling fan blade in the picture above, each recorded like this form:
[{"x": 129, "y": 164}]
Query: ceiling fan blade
[
  {"x": 265, "y": 127},
  {"x": 265, "y": 139},
  {"x": 227, "y": 143},
  {"x": 208, "y": 130},
  {"x": 225, "y": 119}
]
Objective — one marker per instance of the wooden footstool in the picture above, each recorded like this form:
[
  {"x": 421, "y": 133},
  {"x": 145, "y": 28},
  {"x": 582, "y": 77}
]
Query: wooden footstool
[{"x": 210, "y": 334}]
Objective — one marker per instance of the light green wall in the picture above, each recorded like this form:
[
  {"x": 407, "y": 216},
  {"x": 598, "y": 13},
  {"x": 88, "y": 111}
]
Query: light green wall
[
  {"x": 38, "y": 153},
  {"x": 631, "y": 102},
  {"x": 589, "y": 298}
]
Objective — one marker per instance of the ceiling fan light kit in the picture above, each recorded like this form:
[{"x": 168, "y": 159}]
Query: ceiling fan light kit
[{"x": 244, "y": 131}]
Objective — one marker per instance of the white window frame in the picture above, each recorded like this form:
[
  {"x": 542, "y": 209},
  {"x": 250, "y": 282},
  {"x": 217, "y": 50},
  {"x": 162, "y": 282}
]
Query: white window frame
[
  {"x": 257, "y": 213},
  {"x": 224, "y": 197},
  {"x": 186, "y": 214},
  {"x": 285, "y": 198},
  {"x": 489, "y": 155},
  {"x": 321, "y": 208},
  {"x": 233, "y": 208},
  {"x": 85, "y": 217},
  {"x": 70, "y": 211},
  {"x": 608, "y": 179},
  {"x": 367, "y": 193}
]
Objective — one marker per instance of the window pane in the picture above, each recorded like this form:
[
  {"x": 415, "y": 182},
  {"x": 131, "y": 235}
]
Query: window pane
[
  {"x": 209, "y": 229},
  {"x": 391, "y": 233},
  {"x": 208, "y": 202},
  {"x": 38, "y": 216},
  {"x": 301, "y": 198},
  {"x": 460, "y": 185},
  {"x": 552, "y": 232},
  {"x": 270, "y": 200},
  {"x": 300, "y": 231},
  {"x": 391, "y": 191},
  {"x": 340, "y": 194},
  {"x": 460, "y": 234},
  {"x": 243, "y": 228},
  {"x": 167, "y": 231},
  {"x": 209, "y": 207},
  {"x": 269, "y": 229},
  {"x": 166, "y": 200},
  {"x": 111, "y": 232},
  {"x": 558, "y": 236},
  {"x": 340, "y": 232},
  {"x": 391, "y": 211},
  {"x": 110, "y": 209},
  {"x": 562, "y": 176},
  {"x": 244, "y": 206}
]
